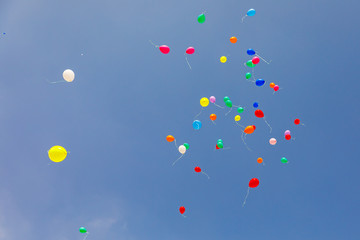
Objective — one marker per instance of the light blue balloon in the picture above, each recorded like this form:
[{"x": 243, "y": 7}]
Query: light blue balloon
[
  {"x": 197, "y": 124},
  {"x": 251, "y": 12}
]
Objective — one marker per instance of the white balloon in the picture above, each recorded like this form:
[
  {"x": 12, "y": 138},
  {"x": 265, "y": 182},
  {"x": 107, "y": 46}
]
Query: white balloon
[
  {"x": 272, "y": 141},
  {"x": 182, "y": 149},
  {"x": 68, "y": 75}
]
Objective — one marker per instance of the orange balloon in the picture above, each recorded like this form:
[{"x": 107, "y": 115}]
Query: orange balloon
[
  {"x": 170, "y": 138},
  {"x": 213, "y": 117},
  {"x": 272, "y": 85},
  {"x": 249, "y": 129},
  {"x": 233, "y": 39},
  {"x": 259, "y": 160}
]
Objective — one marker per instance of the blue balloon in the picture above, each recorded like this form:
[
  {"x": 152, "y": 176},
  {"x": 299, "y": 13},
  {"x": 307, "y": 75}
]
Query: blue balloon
[
  {"x": 251, "y": 12},
  {"x": 256, "y": 105},
  {"x": 260, "y": 82},
  {"x": 250, "y": 51},
  {"x": 197, "y": 124}
]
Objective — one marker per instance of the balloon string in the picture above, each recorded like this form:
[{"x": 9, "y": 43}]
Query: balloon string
[
  {"x": 86, "y": 236},
  {"x": 178, "y": 159},
  {"x": 242, "y": 137},
  {"x": 56, "y": 82},
  {"x": 183, "y": 215},
  {"x": 268, "y": 125},
  {"x": 213, "y": 122},
  {"x": 199, "y": 113},
  {"x": 228, "y": 111},
  {"x": 242, "y": 19},
  {"x": 205, "y": 174},
  {"x": 218, "y": 105},
  {"x": 188, "y": 62},
  {"x": 247, "y": 194},
  {"x": 264, "y": 59},
  {"x": 176, "y": 144},
  {"x": 240, "y": 125},
  {"x": 153, "y": 44}
]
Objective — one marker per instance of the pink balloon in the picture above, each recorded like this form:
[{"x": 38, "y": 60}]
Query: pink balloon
[
  {"x": 190, "y": 50},
  {"x": 276, "y": 87},
  {"x": 164, "y": 49},
  {"x": 255, "y": 60},
  {"x": 212, "y": 99},
  {"x": 287, "y": 132},
  {"x": 272, "y": 141}
]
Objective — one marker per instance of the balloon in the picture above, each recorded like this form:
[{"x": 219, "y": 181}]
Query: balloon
[
  {"x": 249, "y": 129},
  {"x": 164, "y": 49},
  {"x": 287, "y": 136},
  {"x": 226, "y": 98},
  {"x": 284, "y": 160},
  {"x": 212, "y": 99},
  {"x": 259, "y": 113},
  {"x": 287, "y": 132},
  {"x": 250, "y": 64},
  {"x": 255, "y": 60},
  {"x": 170, "y": 138},
  {"x": 248, "y": 75},
  {"x": 260, "y": 82},
  {"x": 240, "y": 110},
  {"x": 68, "y": 75},
  {"x": 220, "y": 144},
  {"x": 250, "y": 52},
  {"x": 217, "y": 147},
  {"x": 197, "y": 124},
  {"x": 57, "y": 154},
  {"x": 228, "y": 103},
  {"x": 219, "y": 140},
  {"x": 186, "y": 145},
  {"x": 297, "y": 121},
  {"x": 254, "y": 183},
  {"x": 233, "y": 39},
  {"x": 213, "y": 117},
  {"x": 272, "y": 85},
  {"x": 272, "y": 141},
  {"x": 255, "y": 105},
  {"x": 260, "y": 160},
  {"x": 197, "y": 169},
  {"x": 182, "y": 149},
  {"x": 223, "y": 59},
  {"x": 182, "y": 209},
  {"x": 276, "y": 87},
  {"x": 204, "y": 102},
  {"x": 201, "y": 18},
  {"x": 251, "y": 12},
  {"x": 82, "y": 230},
  {"x": 237, "y": 118},
  {"x": 190, "y": 50}
]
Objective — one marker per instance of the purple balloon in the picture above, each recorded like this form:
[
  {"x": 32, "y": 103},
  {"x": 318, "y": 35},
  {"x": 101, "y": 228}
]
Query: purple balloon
[
  {"x": 287, "y": 132},
  {"x": 212, "y": 99}
]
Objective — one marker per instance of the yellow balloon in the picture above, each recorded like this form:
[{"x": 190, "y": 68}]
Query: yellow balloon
[
  {"x": 57, "y": 153},
  {"x": 204, "y": 102},
  {"x": 223, "y": 59},
  {"x": 237, "y": 118}
]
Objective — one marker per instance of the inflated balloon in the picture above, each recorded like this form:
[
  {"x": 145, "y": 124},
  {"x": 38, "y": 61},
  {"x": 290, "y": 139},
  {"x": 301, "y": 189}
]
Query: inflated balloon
[
  {"x": 82, "y": 230},
  {"x": 68, "y": 75},
  {"x": 240, "y": 109},
  {"x": 197, "y": 169},
  {"x": 259, "y": 160},
  {"x": 250, "y": 64},
  {"x": 204, "y": 102},
  {"x": 197, "y": 124},
  {"x": 237, "y": 118},
  {"x": 287, "y": 136},
  {"x": 186, "y": 145},
  {"x": 213, "y": 117},
  {"x": 219, "y": 140},
  {"x": 255, "y": 60},
  {"x": 233, "y": 39},
  {"x": 253, "y": 183},
  {"x": 250, "y": 52},
  {"x": 57, "y": 153},
  {"x": 170, "y": 138},
  {"x": 201, "y": 18},
  {"x": 272, "y": 85},
  {"x": 223, "y": 59},
  {"x": 284, "y": 160},
  {"x": 228, "y": 103},
  {"x": 287, "y": 132},
  {"x": 182, "y": 149},
  {"x": 297, "y": 121},
  {"x": 259, "y": 113},
  {"x": 255, "y": 105},
  {"x": 212, "y": 99},
  {"x": 248, "y": 75},
  {"x": 276, "y": 88},
  {"x": 272, "y": 141},
  {"x": 220, "y": 144},
  {"x": 164, "y": 49},
  {"x": 260, "y": 82},
  {"x": 182, "y": 209},
  {"x": 226, "y": 98},
  {"x": 217, "y": 147},
  {"x": 249, "y": 129},
  {"x": 190, "y": 50},
  {"x": 251, "y": 12}
]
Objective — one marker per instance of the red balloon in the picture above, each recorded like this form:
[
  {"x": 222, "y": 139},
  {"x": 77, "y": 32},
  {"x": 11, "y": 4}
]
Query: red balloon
[
  {"x": 182, "y": 209},
  {"x": 287, "y": 136},
  {"x": 255, "y": 60},
  {"x": 197, "y": 169},
  {"x": 217, "y": 147},
  {"x": 276, "y": 88},
  {"x": 297, "y": 121},
  {"x": 190, "y": 50},
  {"x": 259, "y": 113},
  {"x": 254, "y": 183},
  {"x": 254, "y": 127},
  {"x": 164, "y": 49}
]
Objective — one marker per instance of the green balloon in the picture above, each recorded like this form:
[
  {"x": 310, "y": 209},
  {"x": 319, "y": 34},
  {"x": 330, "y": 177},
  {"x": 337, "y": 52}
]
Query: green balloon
[
  {"x": 240, "y": 110},
  {"x": 201, "y": 18},
  {"x": 82, "y": 230},
  {"x": 186, "y": 145},
  {"x": 250, "y": 64},
  {"x": 220, "y": 145},
  {"x": 284, "y": 160},
  {"x": 226, "y": 98},
  {"x": 228, "y": 103},
  {"x": 248, "y": 75},
  {"x": 219, "y": 141}
]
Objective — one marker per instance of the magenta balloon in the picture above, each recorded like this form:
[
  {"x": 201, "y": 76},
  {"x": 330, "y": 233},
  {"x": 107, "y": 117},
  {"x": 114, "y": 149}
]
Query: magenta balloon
[
  {"x": 287, "y": 132},
  {"x": 190, "y": 50},
  {"x": 212, "y": 99},
  {"x": 164, "y": 49}
]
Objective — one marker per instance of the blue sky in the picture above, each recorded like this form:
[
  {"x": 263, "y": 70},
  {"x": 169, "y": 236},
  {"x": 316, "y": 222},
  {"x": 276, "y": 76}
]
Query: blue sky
[{"x": 117, "y": 180}]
